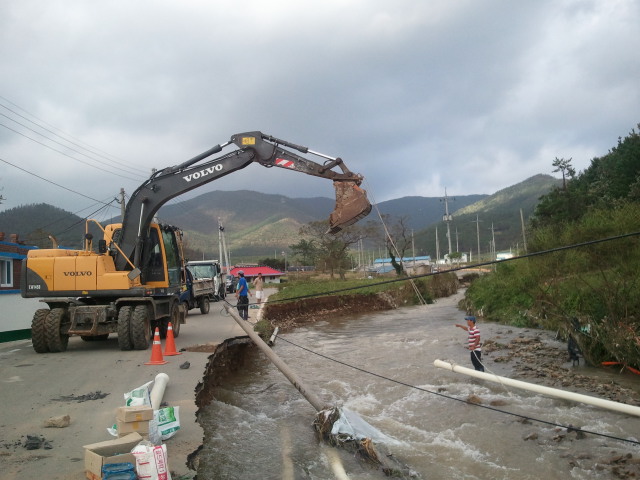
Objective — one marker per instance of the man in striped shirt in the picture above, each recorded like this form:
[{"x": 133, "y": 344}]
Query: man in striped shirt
[{"x": 474, "y": 342}]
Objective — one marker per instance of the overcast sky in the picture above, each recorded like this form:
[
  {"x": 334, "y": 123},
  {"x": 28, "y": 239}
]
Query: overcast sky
[{"x": 416, "y": 95}]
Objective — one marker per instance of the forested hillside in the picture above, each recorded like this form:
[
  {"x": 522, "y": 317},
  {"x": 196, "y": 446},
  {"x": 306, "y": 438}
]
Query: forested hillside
[
  {"x": 36, "y": 222},
  {"x": 587, "y": 285},
  {"x": 495, "y": 218}
]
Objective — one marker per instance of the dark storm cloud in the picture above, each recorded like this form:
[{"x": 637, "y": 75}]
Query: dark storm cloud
[{"x": 417, "y": 96}]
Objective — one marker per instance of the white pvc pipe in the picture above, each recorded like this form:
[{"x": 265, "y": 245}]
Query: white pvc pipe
[
  {"x": 157, "y": 392},
  {"x": 552, "y": 392}
]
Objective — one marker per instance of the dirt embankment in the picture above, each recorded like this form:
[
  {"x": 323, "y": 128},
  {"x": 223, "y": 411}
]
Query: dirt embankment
[{"x": 292, "y": 314}]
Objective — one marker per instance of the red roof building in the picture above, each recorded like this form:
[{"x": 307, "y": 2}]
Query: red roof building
[{"x": 270, "y": 275}]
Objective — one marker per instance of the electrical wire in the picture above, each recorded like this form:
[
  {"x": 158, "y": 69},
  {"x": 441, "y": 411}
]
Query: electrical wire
[
  {"x": 89, "y": 148},
  {"x": 393, "y": 245},
  {"x": 66, "y": 154},
  {"x": 449, "y": 397},
  {"x": 49, "y": 181},
  {"x": 456, "y": 269},
  {"x": 440, "y": 394}
]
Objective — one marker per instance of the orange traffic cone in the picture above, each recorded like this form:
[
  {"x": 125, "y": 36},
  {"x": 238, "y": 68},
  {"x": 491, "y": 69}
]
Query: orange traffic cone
[
  {"x": 170, "y": 344},
  {"x": 156, "y": 351}
]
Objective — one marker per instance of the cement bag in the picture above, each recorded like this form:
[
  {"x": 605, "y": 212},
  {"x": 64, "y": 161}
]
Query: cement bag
[
  {"x": 139, "y": 396},
  {"x": 151, "y": 461},
  {"x": 168, "y": 421},
  {"x": 165, "y": 423}
]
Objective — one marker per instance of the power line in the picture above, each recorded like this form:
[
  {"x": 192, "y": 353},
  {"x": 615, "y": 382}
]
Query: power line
[
  {"x": 525, "y": 417},
  {"x": 455, "y": 269},
  {"x": 52, "y": 183},
  {"x": 89, "y": 148},
  {"x": 63, "y": 153},
  {"x": 449, "y": 397}
]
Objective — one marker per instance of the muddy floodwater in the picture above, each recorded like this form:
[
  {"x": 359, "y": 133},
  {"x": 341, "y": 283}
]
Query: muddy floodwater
[{"x": 380, "y": 365}]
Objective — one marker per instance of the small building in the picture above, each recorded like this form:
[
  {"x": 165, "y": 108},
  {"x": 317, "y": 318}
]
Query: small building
[
  {"x": 383, "y": 265},
  {"x": 15, "y": 322},
  {"x": 270, "y": 275}
]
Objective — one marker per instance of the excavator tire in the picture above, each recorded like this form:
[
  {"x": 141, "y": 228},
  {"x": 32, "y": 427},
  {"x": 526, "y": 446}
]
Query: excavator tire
[
  {"x": 204, "y": 305},
  {"x": 175, "y": 319},
  {"x": 56, "y": 340},
  {"x": 38, "y": 336},
  {"x": 141, "y": 328},
  {"x": 124, "y": 328}
]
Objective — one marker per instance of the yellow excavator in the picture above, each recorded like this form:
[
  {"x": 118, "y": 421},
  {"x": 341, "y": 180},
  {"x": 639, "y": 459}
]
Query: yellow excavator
[{"x": 131, "y": 282}]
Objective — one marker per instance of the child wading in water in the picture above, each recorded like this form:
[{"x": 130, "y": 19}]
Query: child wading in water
[{"x": 474, "y": 342}]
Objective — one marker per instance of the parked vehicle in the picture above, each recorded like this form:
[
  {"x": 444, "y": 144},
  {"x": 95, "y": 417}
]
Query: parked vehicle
[
  {"x": 231, "y": 284},
  {"x": 205, "y": 284}
]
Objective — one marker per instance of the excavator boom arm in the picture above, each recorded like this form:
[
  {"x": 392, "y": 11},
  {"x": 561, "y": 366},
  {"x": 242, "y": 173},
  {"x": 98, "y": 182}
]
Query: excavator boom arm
[{"x": 162, "y": 186}]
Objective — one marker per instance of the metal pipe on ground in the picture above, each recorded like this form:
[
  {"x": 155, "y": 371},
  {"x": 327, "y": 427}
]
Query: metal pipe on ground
[
  {"x": 551, "y": 392},
  {"x": 363, "y": 446}
]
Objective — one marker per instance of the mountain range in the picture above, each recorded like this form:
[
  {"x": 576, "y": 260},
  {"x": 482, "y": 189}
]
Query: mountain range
[{"x": 259, "y": 225}]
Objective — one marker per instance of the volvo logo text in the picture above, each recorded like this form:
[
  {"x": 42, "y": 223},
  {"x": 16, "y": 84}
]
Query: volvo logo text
[
  {"x": 77, "y": 274},
  {"x": 203, "y": 173}
]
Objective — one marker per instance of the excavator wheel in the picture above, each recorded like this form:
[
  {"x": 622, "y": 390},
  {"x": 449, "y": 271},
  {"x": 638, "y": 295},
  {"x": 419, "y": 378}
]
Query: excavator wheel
[
  {"x": 141, "y": 327},
  {"x": 175, "y": 319},
  {"x": 124, "y": 328},
  {"x": 204, "y": 305},
  {"x": 56, "y": 340},
  {"x": 38, "y": 336}
]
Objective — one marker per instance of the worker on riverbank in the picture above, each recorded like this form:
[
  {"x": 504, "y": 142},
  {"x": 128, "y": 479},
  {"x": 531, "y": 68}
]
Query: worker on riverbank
[
  {"x": 258, "y": 285},
  {"x": 473, "y": 342},
  {"x": 242, "y": 294}
]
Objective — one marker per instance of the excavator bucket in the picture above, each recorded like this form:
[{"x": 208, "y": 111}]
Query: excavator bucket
[{"x": 351, "y": 205}]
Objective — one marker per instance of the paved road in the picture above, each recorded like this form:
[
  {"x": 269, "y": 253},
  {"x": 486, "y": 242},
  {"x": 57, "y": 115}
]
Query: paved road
[{"x": 31, "y": 386}]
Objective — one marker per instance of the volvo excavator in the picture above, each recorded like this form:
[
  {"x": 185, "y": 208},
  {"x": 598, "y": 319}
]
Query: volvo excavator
[{"x": 130, "y": 283}]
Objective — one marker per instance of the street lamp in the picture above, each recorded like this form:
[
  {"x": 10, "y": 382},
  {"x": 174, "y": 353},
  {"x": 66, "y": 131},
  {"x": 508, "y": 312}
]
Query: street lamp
[{"x": 284, "y": 254}]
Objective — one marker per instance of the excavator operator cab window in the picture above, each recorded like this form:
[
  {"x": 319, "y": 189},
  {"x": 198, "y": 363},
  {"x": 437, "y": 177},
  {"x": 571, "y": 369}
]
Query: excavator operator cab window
[
  {"x": 173, "y": 257},
  {"x": 152, "y": 264}
]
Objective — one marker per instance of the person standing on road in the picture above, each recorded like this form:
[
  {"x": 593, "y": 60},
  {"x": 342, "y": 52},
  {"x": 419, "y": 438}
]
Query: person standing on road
[
  {"x": 242, "y": 294},
  {"x": 258, "y": 284},
  {"x": 474, "y": 342}
]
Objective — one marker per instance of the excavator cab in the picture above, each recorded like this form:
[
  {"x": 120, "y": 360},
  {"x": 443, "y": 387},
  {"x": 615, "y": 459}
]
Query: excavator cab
[{"x": 351, "y": 205}]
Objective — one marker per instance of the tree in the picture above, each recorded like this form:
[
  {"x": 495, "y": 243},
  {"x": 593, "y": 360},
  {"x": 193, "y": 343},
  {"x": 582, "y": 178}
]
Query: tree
[
  {"x": 397, "y": 239},
  {"x": 565, "y": 167},
  {"x": 305, "y": 250},
  {"x": 332, "y": 251},
  {"x": 275, "y": 263}
]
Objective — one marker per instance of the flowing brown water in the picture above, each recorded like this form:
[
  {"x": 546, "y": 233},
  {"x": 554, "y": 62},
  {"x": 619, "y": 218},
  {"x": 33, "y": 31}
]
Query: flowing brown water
[{"x": 259, "y": 426}]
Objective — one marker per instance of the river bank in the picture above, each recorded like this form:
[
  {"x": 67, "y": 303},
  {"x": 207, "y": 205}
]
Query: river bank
[{"x": 263, "y": 413}]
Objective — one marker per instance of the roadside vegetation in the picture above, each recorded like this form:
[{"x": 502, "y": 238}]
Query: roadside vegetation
[
  {"x": 402, "y": 292},
  {"x": 592, "y": 291}
]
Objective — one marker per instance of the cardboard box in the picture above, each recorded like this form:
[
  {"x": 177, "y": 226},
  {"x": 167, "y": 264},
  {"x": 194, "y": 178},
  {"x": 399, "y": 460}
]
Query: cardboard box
[
  {"x": 111, "y": 451},
  {"x": 125, "y": 428},
  {"x": 138, "y": 413}
]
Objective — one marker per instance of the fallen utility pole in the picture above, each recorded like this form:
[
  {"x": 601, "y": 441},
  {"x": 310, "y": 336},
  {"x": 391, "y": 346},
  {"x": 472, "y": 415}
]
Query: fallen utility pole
[
  {"x": 326, "y": 415},
  {"x": 551, "y": 392},
  {"x": 287, "y": 372}
]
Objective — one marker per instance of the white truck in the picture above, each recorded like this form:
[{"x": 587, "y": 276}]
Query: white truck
[{"x": 207, "y": 284}]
